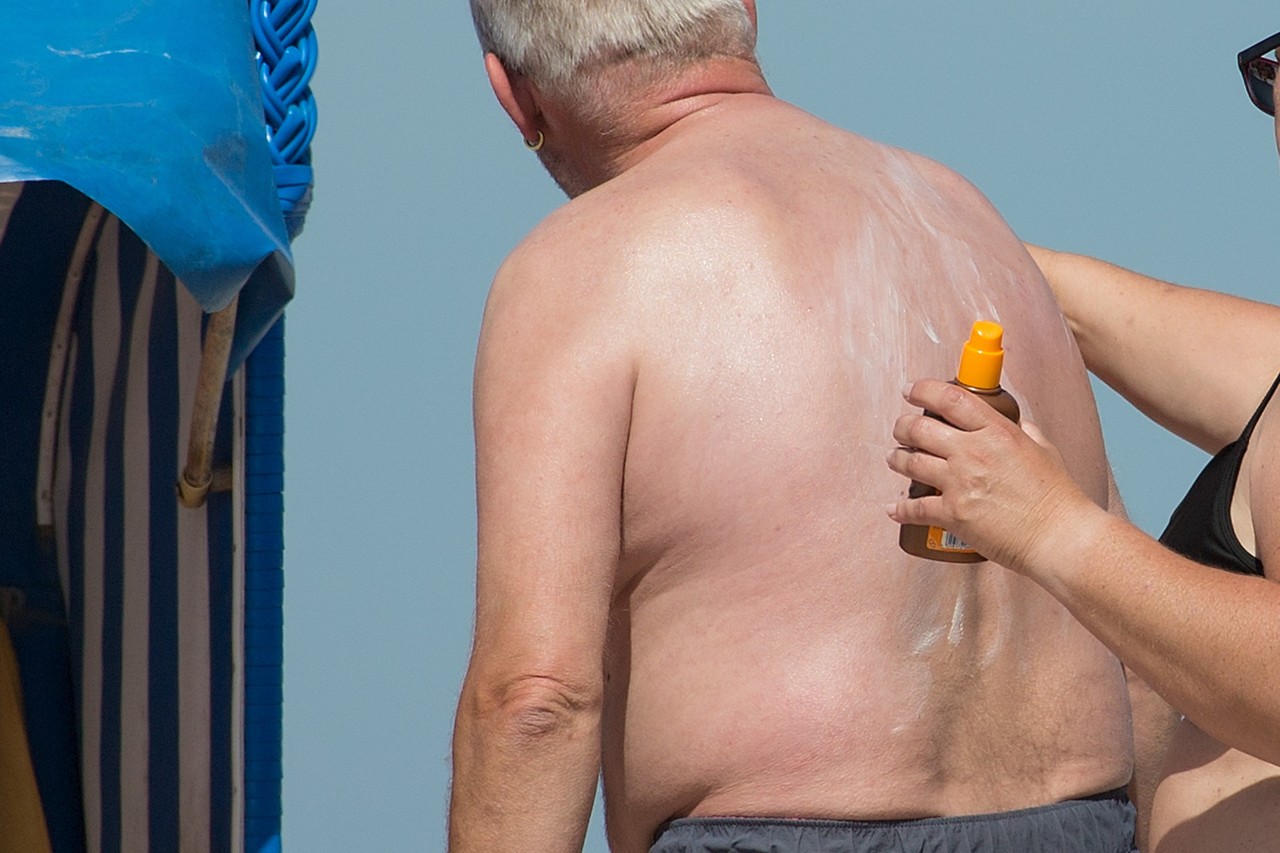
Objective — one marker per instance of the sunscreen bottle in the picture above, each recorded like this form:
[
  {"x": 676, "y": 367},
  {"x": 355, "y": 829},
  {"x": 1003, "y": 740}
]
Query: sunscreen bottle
[{"x": 980, "y": 363}]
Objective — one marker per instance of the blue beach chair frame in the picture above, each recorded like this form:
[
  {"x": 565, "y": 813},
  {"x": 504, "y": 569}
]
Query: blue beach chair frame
[{"x": 154, "y": 168}]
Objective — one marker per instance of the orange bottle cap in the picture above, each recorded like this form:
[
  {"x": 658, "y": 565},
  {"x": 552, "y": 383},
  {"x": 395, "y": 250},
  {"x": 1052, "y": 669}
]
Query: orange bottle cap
[{"x": 982, "y": 357}]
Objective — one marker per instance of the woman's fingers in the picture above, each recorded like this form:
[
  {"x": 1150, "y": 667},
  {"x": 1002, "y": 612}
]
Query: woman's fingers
[
  {"x": 918, "y": 465},
  {"x": 922, "y": 511},
  {"x": 958, "y": 407},
  {"x": 922, "y": 432},
  {"x": 997, "y": 488}
]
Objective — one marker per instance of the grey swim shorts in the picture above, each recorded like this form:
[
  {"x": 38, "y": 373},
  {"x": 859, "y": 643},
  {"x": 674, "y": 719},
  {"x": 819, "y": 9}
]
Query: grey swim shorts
[{"x": 1098, "y": 824}]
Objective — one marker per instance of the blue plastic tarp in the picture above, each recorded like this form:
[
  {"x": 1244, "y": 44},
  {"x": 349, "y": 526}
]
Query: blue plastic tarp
[{"x": 154, "y": 111}]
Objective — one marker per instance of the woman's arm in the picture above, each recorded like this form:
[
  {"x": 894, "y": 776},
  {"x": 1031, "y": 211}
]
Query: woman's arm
[{"x": 1195, "y": 361}]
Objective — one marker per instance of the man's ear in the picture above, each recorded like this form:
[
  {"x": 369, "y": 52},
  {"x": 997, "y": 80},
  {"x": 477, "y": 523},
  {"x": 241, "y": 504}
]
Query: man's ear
[
  {"x": 514, "y": 95},
  {"x": 751, "y": 10}
]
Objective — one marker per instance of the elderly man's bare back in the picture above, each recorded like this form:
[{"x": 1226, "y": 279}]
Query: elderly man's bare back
[{"x": 756, "y": 293}]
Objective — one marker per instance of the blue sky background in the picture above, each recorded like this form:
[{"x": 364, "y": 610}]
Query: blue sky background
[{"x": 1116, "y": 129}]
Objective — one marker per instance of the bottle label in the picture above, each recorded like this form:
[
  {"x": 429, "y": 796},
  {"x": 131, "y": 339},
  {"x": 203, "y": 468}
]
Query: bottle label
[{"x": 942, "y": 540}]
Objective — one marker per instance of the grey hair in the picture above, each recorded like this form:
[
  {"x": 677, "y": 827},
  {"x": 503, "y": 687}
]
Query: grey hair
[{"x": 550, "y": 41}]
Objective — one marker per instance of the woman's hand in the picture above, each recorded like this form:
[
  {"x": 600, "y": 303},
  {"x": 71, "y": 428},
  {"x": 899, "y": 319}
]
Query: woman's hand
[{"x": 1004, "y": 488}]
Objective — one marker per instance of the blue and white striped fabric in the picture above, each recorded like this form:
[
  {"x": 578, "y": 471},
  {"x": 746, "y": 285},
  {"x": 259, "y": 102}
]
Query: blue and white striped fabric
[
  {"x": 149, "y": 637},
  {"x": 153, "y": 593}
]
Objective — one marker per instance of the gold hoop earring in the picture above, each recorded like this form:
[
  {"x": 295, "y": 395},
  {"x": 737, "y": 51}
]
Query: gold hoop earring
[{"x": 535, "y": 145}]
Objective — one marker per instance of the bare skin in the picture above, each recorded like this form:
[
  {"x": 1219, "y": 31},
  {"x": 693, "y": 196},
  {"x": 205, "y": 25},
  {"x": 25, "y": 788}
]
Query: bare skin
[
  {"x": 1204, "y": 639},
  {"x": 1212, "y": 797},
  {"x": 1209, "y": 796},
  {"x": 683, "y": 388}
]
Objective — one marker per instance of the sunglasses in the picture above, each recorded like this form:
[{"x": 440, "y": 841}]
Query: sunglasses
[{"x": 1260, "y": 72}]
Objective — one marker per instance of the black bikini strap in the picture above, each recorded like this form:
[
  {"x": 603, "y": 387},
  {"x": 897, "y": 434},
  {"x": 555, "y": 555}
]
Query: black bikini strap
[{"x": 1248, "y": 430}]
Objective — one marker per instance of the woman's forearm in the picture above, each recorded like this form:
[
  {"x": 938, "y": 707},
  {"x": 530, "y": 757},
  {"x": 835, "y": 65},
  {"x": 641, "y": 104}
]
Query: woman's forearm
[{"x": 1204, "y": 639}]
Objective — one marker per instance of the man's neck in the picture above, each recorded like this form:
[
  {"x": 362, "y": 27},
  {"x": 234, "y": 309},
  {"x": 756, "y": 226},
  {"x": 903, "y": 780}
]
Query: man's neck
[{"x": 596, "y": 154}]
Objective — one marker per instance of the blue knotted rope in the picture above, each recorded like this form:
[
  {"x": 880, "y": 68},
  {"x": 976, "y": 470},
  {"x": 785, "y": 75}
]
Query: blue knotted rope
[{"x": 286, "y": 54}]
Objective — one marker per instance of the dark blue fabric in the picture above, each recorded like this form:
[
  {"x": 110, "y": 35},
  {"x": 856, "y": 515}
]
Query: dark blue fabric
[
  {"x": 41, "y": 234},
  {"x": 264, "y": 579},
  {"x": 1102, "y": 824}
]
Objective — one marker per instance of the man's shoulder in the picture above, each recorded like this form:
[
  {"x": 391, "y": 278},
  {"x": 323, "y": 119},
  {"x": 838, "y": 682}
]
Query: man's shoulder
[
  {"x": 571, "y": 269},
  {"x": 943, "y": 179},
  {"x": 574, "y": 245},
  {"x": 624, "y": 230}
]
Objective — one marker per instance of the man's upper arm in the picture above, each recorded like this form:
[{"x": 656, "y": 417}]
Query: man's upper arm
[{"x": 553, "y": 395}]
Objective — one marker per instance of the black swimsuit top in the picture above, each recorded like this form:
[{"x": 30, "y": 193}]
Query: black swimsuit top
[{"x": 1200, "y": 528}]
